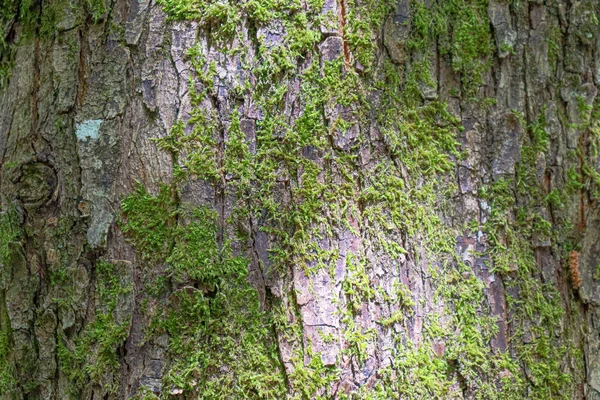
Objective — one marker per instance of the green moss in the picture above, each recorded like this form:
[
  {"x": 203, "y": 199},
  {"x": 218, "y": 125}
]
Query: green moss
[
  {"x": 221, "y": 16},
  {"x": 222, "y": 347},
  {"x": 97, "y": 9},
  {"x": 536, "y": 307},
  {"x": 356, "y": 285},
  {"x": 220, "y": 342},
  {"x": 308, "y": 380},
  {"x": 93, "y": 356},
  {"x": 25, "y": 13},
  {"x": 8, "y": 383},
  {"x": 421, "y": 138},
  {"x": 402, "y": 196},
  {"x": 238, "y": 158},
  {"x": 9, "y": 232},
  {"x": 363, "y": 21},
  {"x": 149, "y": 221}
]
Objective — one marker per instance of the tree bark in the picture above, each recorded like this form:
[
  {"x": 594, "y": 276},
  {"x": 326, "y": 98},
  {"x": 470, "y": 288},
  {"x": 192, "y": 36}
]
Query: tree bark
[{"x": 307, "y": 199}]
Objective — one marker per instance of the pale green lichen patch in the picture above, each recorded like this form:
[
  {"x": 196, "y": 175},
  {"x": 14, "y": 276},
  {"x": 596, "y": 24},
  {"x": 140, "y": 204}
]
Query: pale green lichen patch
[{"x": 89, "y": 129}]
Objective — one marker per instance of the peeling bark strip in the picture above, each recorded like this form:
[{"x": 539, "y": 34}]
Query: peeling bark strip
[
  {"x": 342, "y": 7},
  {"x": 202, "y": 199}
]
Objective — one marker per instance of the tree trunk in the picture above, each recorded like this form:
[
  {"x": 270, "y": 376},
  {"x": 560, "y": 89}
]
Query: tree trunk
[{"x": 303, "y": 199}]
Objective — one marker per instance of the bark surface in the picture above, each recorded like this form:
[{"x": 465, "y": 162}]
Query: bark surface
[{"x": 334, "y": 199}]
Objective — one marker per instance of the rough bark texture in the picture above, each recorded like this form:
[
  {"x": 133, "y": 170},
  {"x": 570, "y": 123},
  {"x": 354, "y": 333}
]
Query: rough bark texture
[{"x": 299, "y": 199}]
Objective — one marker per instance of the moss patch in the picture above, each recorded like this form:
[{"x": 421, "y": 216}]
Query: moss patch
[
  {"x": 9, "y": 233},
  {"x": 94, "y": 355},
  {"x": 314, "y": 158},
  {"x": 221, "y": 344}
]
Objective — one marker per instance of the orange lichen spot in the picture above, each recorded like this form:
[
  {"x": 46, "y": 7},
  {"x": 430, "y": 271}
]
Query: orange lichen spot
[{"x": 574, "y": 268}]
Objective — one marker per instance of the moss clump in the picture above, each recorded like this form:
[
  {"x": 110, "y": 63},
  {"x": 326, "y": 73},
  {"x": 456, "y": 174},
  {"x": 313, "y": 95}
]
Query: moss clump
[
  {"x": 222, "y": 347},
  {"x": 149, "y": 221},
  {"x": 536, "y": 308},
  {"x": 93, "y": 356},
  {"x": 221, "y": 344},
  {"x": 462, "y": 31},
  {"x": 8, "y": 382},
  {"x": 97, "y": 9},
  {"x": 9, "y": 233},
  {"x": 23, "y": 12},
  {"x": 399, "y": 194},
  {"x": 305, "y": 182}
]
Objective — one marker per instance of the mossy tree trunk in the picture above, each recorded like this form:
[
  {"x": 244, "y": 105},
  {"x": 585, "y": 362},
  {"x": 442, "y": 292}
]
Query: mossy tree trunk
[{"x": 334, "y": 199}]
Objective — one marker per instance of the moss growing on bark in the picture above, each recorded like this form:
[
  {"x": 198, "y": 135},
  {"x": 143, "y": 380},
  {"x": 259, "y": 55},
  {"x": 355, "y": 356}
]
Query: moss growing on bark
[
  {"x": 9, "y": 233},
  {"x": 7, "y": 375},
  {"x": 315, "y": 156},
  {"x": 94, "y": 355},
  {"x": 221, "y": 344},
  {"x": 515, "y": 225}
]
